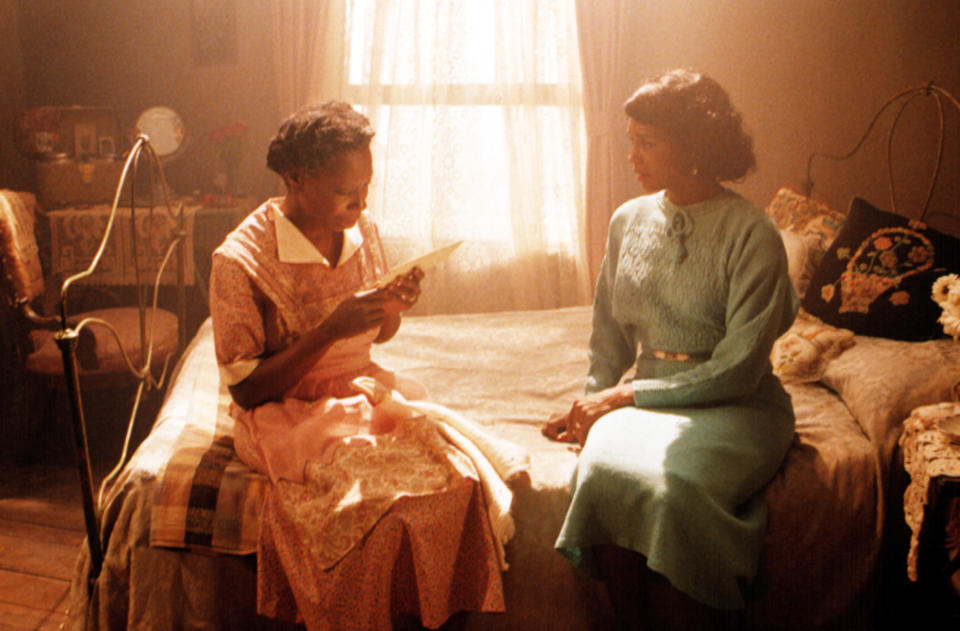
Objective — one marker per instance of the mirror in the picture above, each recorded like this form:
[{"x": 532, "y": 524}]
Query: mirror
[{"x": 164, "y": 128}]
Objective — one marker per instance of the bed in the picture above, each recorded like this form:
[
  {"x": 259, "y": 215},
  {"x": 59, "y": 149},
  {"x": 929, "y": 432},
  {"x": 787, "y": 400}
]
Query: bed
[
  {"x": 179, "y": 526},
  {"x": 823, "y": 551}
]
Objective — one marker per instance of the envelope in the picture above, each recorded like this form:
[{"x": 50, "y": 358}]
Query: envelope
[{"x": 424, "y": 262}]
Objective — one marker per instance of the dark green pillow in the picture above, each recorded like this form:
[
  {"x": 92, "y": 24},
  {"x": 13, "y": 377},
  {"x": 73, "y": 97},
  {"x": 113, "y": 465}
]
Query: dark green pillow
[{"x": 876, "y": 277}]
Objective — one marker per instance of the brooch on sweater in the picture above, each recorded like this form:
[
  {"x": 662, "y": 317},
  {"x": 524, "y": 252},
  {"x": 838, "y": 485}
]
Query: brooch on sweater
[{"x": 681, "y": 227}]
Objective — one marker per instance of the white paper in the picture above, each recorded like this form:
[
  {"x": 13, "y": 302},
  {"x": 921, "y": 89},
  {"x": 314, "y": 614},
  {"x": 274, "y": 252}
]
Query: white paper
[{"x": 424, "y": 262}]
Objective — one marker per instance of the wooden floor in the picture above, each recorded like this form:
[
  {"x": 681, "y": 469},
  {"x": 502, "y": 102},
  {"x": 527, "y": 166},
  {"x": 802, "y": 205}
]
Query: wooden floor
[
  {"x": 42, "y": 526},
  {"x": 41, "y": 531}
]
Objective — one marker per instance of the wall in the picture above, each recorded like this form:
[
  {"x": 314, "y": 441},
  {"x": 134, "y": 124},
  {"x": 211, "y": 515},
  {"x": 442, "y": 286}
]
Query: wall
[
  {"x": 808, "y": 76},
  {"x": 133, "y": 55},
  {"x": 14, "y": 173},
  {"x": 130, "y": 56}
]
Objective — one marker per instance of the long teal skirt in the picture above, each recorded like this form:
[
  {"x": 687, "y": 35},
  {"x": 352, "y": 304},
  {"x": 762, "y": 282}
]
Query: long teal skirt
[{"x": 684, "y": 488}]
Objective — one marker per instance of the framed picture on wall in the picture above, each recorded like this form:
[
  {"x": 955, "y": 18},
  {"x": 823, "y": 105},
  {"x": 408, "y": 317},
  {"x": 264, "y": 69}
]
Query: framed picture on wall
[{"x": 214, "y": 26}]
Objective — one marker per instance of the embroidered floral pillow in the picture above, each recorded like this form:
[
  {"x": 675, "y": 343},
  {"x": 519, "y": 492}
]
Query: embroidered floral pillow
[
  {"x": 877, "y": 275},
  {"x": 790, "y": 209},
  {"x": 807, "y": 227}
]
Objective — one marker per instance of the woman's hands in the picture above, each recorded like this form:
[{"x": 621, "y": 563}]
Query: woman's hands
[
  {"x": 574, "y": 426},
  {"x": 399, "y": 295},
  {"x": 403, "y": 292},
  {"x": 374, "y": 308},
  {"x": 357, "y": 313}
]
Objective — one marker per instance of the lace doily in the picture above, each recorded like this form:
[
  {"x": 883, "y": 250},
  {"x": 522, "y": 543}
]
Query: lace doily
[{"x": 928, "y": 454}]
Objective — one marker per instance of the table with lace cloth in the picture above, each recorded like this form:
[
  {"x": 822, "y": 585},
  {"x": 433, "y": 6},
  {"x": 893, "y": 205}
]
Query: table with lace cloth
[
  {"x": 75, "y": 235},
  {"x": 931, "y": 502}
]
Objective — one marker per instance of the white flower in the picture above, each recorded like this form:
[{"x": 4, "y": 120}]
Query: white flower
[
  {"x": 951, "y": 326},
  {"x": 946, "y": 290},
  {"x": 946, "y": 293}
]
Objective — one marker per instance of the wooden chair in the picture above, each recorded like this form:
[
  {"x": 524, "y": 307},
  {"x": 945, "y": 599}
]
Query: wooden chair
[
  {"x": 107, "y": 348},
  {"x": 109, "y": 358}
]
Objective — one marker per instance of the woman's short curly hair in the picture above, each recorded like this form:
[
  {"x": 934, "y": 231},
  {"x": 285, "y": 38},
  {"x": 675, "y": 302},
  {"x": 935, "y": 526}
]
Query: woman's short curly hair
[
  {"x": 696, "y": 112},
  {"x": 310, "y": 138}
]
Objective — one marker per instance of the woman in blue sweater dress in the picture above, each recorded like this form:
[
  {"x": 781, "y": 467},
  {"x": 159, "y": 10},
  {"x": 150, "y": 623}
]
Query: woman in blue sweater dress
[{"x": 667, "y": 498}]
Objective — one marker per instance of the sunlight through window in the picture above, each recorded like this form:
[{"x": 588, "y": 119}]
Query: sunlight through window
[{"x": 478, "y": 118}]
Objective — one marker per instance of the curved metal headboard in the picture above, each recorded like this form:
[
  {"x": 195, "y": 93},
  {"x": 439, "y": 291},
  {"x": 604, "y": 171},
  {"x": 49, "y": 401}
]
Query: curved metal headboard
[
  {"x": 68, "y": 337},
  {"x": 903, "y": 99}
]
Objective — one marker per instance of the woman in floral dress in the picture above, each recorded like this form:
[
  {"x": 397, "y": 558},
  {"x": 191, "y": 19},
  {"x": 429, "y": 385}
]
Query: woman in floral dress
[{"x": 369, "y": 519}]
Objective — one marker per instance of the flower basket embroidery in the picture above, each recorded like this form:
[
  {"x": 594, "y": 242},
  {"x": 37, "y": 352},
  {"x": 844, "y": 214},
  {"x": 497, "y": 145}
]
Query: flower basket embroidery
[
  {"x": 876, "y": 276},
  {"x": 885, "y": 258}
]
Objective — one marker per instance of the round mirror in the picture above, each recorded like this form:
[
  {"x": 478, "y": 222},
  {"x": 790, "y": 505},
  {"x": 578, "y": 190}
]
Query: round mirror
[{"x": 164, "y": 128}]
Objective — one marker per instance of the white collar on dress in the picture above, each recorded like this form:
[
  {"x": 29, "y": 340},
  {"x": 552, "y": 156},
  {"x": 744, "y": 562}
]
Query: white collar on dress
[{"x": 294, "y": 247}]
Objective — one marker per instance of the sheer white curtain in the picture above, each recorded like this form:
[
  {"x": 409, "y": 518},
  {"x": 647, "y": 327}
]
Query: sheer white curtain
[
  {"x": 477, "y": 107},
  {"x": 298, "y": 30},
  {"x": 600, "y": 28}
]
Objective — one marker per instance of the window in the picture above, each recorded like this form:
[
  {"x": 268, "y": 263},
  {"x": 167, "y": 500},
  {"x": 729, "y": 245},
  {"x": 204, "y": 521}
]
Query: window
[
  {"x": 478, "y": 118},
  {"x": 477, "y": 108}
]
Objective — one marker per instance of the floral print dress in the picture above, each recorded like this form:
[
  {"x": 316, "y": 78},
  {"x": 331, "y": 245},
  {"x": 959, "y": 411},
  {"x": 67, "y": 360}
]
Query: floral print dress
[{"x": 368, "y": 516}]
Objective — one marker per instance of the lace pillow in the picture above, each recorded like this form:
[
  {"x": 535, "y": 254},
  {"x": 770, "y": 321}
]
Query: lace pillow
[{"x": 802, "y": 353}]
